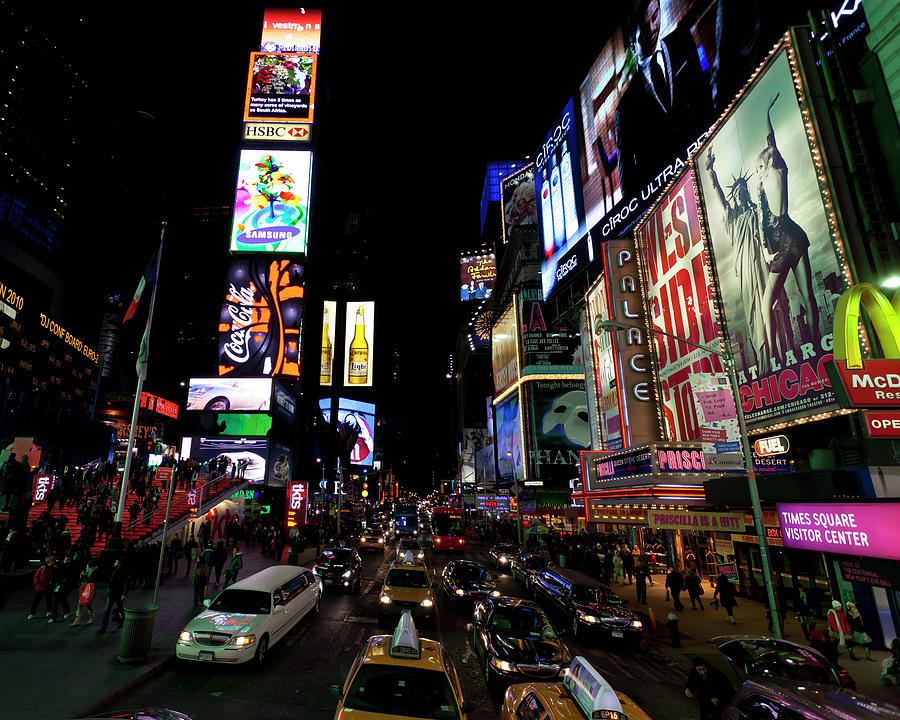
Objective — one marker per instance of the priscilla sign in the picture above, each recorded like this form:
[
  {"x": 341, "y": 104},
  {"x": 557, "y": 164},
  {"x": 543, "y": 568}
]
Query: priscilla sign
[{"x": 864, "y": 529}]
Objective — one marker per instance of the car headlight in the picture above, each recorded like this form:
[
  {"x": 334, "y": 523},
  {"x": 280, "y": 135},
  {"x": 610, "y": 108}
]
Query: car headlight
[
  {"x": 504, "y": 559},
  {"x": 381, "y": 540},
  {"x": 495, "y": 593},
  {"x": 242, "y": 640},
  {"x": 315, "y": 570},
  {"x": 186, "y": 636},
  {"x": 591, "y": 619},
  {"x": 427, "y": 602},
  {"x": 347, "y": 575},
  {"x": 385, "y": 599},
  {"x": 503, "y": 665},
  {"x": 636, "y": 624},
  {"x": 420, "y": 555},
  {"x": 460, "y": 591}
]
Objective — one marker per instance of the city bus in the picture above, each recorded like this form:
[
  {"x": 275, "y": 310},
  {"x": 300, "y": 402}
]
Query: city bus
[
  {"x": 406, "y": 519},
  {"x": 449, "y": 534}
]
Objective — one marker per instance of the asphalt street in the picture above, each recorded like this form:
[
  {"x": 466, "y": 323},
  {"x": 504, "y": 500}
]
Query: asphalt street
[{"x": 300, "y": 674}]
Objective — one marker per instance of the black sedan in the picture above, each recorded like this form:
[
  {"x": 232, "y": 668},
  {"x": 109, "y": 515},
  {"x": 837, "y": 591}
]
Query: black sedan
[
  {"x": 524, "y": 567},
  {"x": 518, "y": 643},
  {"x": 339, "y": 567},
  {"x": 467, "y": 580},
  {"x": 503, "y": 553}
]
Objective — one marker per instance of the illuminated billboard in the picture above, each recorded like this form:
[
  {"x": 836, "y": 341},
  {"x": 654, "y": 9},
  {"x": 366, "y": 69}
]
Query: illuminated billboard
[
  {"x": 559, "y": 427},
  {"x": 359, "y": 347},
  {"x": 519, "y": 218},
  {"x": 504, "y": 350},
  {"x": 355, "y": 416},
  {"x": 271, "y": 205},
  {"x": 486, "y": 467},
  {"x": 284, "y": 404},
  {"x": 329, "y": 323},
  {"x": 547, "y": 345},
  {"x": 777, "y": 270},
  {"x": 510, "y": 451},
  {"x": 250, "y": 451},
  {"x": 473, "y": 439},
  {"x": 224, "y": 394},
  {"x": 260, "y": 322},
  {"x": 477, "y": 275},
  {"x": 280, "y": 463},
  {"x": 242, "y": 424},
  {"x": 281, "y": 87},
  {"x": 291, "y": 30}
]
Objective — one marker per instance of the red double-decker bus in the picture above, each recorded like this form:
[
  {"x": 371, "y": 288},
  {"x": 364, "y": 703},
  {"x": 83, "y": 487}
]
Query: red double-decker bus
[{"x": 447, "y": 524}]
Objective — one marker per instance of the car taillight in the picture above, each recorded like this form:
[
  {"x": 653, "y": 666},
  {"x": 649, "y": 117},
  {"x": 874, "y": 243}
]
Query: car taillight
[
  {"x": 437, "y": 540},
  {"x": 460, "y": 541}
]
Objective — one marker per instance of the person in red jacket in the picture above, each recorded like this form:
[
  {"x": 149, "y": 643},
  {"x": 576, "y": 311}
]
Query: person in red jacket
[
  {"x": 840, "y": 628},
  {"x": 43, "y": 587}
]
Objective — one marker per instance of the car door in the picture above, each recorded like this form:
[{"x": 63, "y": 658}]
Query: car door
[
  {"x": 280, "y": 614},
  {"x": 482, "y": 621}
]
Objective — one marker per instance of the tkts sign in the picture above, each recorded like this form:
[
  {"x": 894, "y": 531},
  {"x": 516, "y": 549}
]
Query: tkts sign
[{"x": 295, "y": 508}]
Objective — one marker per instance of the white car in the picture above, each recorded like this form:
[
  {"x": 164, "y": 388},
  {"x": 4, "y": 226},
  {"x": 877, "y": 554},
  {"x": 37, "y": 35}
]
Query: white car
[
  {"x": 247, "y": 618},
  {"x": 223, "y": 394}
]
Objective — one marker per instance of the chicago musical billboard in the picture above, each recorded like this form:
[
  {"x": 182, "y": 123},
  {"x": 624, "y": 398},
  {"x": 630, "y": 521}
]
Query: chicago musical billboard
[
  {"x": 271, "y": 205},
  {"x": 260, "y": 322},
  {"x": 281, "y": 87}
]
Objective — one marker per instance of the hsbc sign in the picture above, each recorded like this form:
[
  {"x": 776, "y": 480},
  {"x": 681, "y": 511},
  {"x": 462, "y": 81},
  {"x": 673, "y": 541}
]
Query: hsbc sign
[{"x": 280, "y": 132}]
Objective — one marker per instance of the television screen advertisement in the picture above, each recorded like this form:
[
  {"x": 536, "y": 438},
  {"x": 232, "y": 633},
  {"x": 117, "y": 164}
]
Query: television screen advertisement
[
  {"x": 473, "y": 439},
  {"x": 485, "y": 467},
  {"x": 504, "y": 350},
  {"x": 777, "y": 269},
  {"x": 281, "y": 463},
  {"x": 560, "y": 206},
  {"x": 224, "y": 394},
  {"x": 357, "y": 417},
  {"x": 291, "y": 30},
  {"x": 284, "y": 404},
  {"x": 244, "y": 424},
  {"x": 519, "y": 200},
  {"x": 329, "y": 324},
  {"x": 679, "y": 302},
  {"x": 249, "y": 451},
  {"x": 359, "y": 344},
  {"x": 271, "y": 204},
  {"x": 559, "y": 427},
  {"x": 260, "y": 322},
  {"x": 603, "y": 351},
  {"x": 546, "y": 348},
  {"x": 477, "y": 275},
  {"x": 281, "y": 87},
  {"x": 510, "y": 452}
]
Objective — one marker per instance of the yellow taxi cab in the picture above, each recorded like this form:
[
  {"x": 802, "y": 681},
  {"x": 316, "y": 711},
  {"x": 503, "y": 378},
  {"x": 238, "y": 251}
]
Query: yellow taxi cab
[
  {"x": 371, "y": 539},
  {"x": 402, "y": 675},
  {"x": 407, "y": 586},
  {"x": 582, "y": 695}
]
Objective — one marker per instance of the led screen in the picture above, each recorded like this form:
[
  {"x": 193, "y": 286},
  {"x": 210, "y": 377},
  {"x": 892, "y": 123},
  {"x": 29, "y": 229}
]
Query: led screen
[
  {"x": 559, "y": 427},
  {"x": 510, "y": 452},
  {"x": 473, "y": 439},
  {"x": 329, "y": 323},
  {"x": 284, "y": 404},
  {"x": 244, "y": 424},
  {"x": 519, "y": 218},
  {"x": 359, "y": 348},
  {"x": 281, "y": 463},
  {"x": 271, "y": 204},
  {"x": 356, "y": 417},
  {"x": 248, "y": 449},
  {"x": 224, "y": 394},
  {"x": 485, "y": 467},
  {"x": 477, "y": 274},
  {"x": 548, "y": 346},
  {"x": 281, "y": 87},
  {"x": 291, "y": 30},
  {"x": 504, "y": 339},
  {"x": 260, "y": 322}
]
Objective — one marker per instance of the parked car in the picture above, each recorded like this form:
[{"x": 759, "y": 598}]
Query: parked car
[
  {"x": 586, "y": 605},
  {"x": 503, "y": 554},
  {"x": 517, "y": 642},
  {"x": 524, "y": 567},
  {"x": 339, "y": 567},
  {"x": 467, "y": 580},
  {"x": 781, "y": 699}
]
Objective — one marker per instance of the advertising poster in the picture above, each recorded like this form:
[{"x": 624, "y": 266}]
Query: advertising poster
[
  {"x": 295, "y": 504},
  {"x": 519, "y": 219},
  {"x": 602, "y": 343},
  {"x": 281, "y": 463},
  {"x": 590, "y": 374},
  {"x": 284, "y": 404},
  {"x": 329, "y": 349},
  {"x": 224, "y": 394},
  {"x": 485, "y": 467},
  {"x": 481, "y": 328},
  {"x": 717, "y": 419},
  {"x": 559, "y": 427},
  {"x": 504, "y": 342},
  {"x": 291, "y": 30},
  {"x": 359, "y": 343},
  {"x": 477, "y": 274},
  {"x": 250, "y": 451},
  {"x": 260, "y": 322},
  {"x": 356, "y": 418},
  {"x": 271, "y": 204},
  {"x": 776, "y": 265},
  {"x": 510, "y": 452},
  {"x": 679, "y": 296},
  {"x": 473, "y": 439},
  {"x": 546, "y": 348},
  {"x": 560, "y": 206},
  {"x": 244, "y": 424},
  {"x": 281, "y": 87}
]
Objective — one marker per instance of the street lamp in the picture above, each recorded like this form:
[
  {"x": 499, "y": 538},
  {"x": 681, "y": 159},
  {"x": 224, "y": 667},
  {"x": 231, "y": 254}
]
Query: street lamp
[
  {"x": 613, "y": 326},
  {"x": 512, "y": 467}
]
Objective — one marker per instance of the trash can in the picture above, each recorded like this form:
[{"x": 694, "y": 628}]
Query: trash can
[{"x": 137, "y": 632}]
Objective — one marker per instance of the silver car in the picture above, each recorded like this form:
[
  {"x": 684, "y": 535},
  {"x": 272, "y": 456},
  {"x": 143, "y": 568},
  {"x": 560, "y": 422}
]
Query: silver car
[{"x": 782, "y": 699}]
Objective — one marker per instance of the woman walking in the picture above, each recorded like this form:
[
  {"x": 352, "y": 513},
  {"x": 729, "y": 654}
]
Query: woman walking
[
  {"x": 694, "y": 587},
  {"x": 805, "y": 615},
  {"x": 839, "y": 628},
  {"x": 726, "y": 596},
  {"x": 201, "y": 580},
  {"x": 858, "y": 630}
]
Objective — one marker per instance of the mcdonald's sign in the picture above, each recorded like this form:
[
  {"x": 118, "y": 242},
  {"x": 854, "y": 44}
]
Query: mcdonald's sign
[{"x": 867, "y": 383}]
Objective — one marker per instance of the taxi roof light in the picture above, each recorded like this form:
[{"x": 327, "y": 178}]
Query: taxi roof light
[
  {"x": 408, "y": 559},
  {"x": 405, "y": 640},
  {"x": 592, "y": 694}
]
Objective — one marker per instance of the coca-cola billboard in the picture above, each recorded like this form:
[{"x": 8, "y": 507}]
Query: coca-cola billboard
[{"x": 260, "y": 323}]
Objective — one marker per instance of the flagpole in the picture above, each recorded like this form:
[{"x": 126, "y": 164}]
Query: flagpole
[{"x": 126, "y": 473}]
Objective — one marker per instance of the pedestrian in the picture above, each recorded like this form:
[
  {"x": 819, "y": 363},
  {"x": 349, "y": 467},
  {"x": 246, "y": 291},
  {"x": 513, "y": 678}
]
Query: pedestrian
[
  {"x": 234, "y": 566},
  {"x": 190, "y": 554},
  {"x": 65, "y": 582},
  {"x": 201, "y": 580},
  {"x": 710, "y": 687},
  {"x": 219, "y": 556},
  {"x": 175, "y": 552},
  {"x": 628, "y": 564},
  {"x": 839, "y": 628},
  {"x": 805, "y": 615},
  {"x": 726, "y": 596},
  {"x": 86, "y": 594},
  {"x": 617, "y": 567},
  {"x": 694, "y": 587},
  {"x": 674, "y": 585},
  {"x": 115, "y": 596},
  {"x": 640, "y": 584},
  {"x": 43, "y": 586},
  {"x": 858, "y": 630}
]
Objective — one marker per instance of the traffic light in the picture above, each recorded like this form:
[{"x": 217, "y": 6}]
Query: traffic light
[{"x": 365, "y": 486}]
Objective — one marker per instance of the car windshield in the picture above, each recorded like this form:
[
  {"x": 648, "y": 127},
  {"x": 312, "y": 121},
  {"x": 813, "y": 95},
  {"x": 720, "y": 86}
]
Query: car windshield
[
  {"x": 335, "y": 557},
  {"x": 245, "y": 602},
  {"x": 587, "y": 594},
  {"x": 522, "y": 623},
  {"x": 768, "y": 658},
  {"x": 410, "y": 545},
  {"x": 470, "y": 572},
  {"x": 400, "y": 577},
  {"x": 535, "y": 563},
  {"x": 402, "y": 692}
]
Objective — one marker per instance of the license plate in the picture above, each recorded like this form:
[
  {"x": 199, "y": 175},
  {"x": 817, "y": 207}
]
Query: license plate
[
  {"x": 618, "y": 633},
  {"x": 327, "y": 581},
  {"x": 207, "y": 655}
]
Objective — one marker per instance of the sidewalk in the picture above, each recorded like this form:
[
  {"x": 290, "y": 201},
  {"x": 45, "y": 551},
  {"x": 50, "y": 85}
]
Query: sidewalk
[
  {"x": 69, "y": 672},
  {"x": 696, "y": 627}
]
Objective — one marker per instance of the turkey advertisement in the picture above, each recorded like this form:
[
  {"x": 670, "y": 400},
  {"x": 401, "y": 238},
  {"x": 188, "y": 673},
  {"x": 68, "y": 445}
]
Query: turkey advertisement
[{"x": 559, "y": 427}]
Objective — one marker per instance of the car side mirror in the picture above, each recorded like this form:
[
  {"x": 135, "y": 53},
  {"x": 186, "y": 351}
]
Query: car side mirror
[{"x": 206, "y": 602}]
